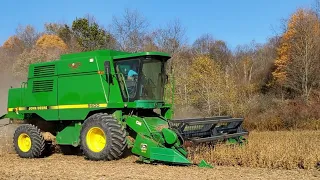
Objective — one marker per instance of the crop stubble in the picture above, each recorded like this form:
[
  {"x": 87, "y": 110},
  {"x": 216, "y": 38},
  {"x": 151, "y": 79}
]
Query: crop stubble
[{"x": 262, "y": 148}]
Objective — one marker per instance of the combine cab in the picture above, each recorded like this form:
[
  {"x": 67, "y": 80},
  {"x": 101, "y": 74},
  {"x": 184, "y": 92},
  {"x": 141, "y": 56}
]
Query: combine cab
[{"x": 103, "y": 102}]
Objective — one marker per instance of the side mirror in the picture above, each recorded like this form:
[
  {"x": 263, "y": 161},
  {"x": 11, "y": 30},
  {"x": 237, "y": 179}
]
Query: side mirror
[{"x": 107, "y": 69}]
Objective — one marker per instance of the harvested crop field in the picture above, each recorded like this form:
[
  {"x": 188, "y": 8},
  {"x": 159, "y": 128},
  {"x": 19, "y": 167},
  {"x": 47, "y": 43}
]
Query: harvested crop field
[
  {"x": 269, "y": 155},
  {"x": 74, "y": 167}
]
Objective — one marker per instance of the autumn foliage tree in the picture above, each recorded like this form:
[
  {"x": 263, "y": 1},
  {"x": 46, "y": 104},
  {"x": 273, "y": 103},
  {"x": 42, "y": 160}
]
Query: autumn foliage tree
[
  {"x": 13, "y": 43},
  {"x": 47, "y": 48},
  {"x": 210, "y": 89},
  {"x": 51, "y": 42},
  {"x": 298, "y": 64}
]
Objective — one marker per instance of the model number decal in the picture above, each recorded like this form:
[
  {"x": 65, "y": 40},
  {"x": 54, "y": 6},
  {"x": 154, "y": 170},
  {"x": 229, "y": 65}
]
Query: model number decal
[{"x": 93, "y": 105}]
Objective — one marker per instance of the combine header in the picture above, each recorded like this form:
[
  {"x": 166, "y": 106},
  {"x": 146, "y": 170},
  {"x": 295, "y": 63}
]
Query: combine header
[
  {"x": 104, "y": 102},
  {"x": 214, "y": 129}
]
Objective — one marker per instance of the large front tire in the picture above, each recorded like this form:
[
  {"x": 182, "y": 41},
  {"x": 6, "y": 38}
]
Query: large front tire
[
  {"x": 29, "y": 142},
  {"x": 102, "y": 138}
]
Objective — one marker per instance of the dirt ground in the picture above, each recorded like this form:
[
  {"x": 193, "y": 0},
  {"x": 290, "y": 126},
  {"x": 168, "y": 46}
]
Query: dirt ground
[{"x": 60, "y": 166}]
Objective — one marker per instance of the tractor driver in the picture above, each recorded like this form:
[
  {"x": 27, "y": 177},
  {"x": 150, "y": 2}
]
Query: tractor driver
[{"x": 132, "y": 72}]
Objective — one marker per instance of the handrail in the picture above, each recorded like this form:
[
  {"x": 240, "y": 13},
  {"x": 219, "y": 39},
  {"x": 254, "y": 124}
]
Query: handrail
[{"x": 125, "y": 85}]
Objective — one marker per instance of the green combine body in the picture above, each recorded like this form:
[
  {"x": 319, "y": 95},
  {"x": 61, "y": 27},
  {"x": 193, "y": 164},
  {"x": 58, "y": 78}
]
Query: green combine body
[{"x": 104, "y": 102}]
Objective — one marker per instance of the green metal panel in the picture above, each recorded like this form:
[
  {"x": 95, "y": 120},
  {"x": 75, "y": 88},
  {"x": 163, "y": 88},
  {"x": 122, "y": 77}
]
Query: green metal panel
[
  {"x": 165, "y": 55},
  {"x": 77, "y": 65},
  {"x": 167, "y": 111},
  {"x": 75, "y": 90},
  {"x": 13, "y": 115},
  {"x": 168, "y": 155},
  {"x": 92, "y": 54},
  {"x": 146, "y": 125},
  {"x": 154, "y": 150},
  {"x": 82, "y": 89},
  {"x": 43, "y": 69},
  {"x": 170, "y": 136},
  {"x": 14, "y": 96},
  {"x": 41, "y": 93},
  {"x": 14, "y": 102},
  {"x": 148, "y": 104},
  {"x": 137, "y": 124},
  {"x": 69, "y": 135},
  {"x": 86, "y": 86},
  {"x": 142, "y": 146}
]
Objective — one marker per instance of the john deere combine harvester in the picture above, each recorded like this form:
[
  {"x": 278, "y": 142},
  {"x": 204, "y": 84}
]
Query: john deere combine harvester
[{"x": 104, "y": 102}]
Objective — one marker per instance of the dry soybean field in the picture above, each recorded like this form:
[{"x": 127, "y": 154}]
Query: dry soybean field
[{"x": 269, "y": 155}]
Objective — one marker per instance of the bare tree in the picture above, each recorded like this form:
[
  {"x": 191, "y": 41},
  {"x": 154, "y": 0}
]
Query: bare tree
[
  {"x": 171, "y": 37},
  {"x": 129, "y": 30},
  {"x": 149, "y": 43},
  {"x": 216, "y": 49},
  {"x": 28, "y": 35},
  {"x": 203, "y": 44}
]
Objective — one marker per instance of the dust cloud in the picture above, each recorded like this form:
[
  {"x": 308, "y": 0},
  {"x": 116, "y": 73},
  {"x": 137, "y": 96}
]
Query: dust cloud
[
  {"x": 6, "y": 131},
  {"x": 6, "y": 81}
]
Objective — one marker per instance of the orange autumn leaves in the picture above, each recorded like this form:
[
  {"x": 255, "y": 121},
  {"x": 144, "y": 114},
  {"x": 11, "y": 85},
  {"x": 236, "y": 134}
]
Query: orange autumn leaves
[
  {"x": 51, "y": 41},
  {"x": 301, "y": 23},
  {"x": 46, "y": 47},
  {"x": 44, "y": 42}
]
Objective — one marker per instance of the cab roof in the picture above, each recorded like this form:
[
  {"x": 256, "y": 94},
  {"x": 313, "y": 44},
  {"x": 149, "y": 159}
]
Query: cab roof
[
  {"x": 114, "y": 54},
  {"x": 123, "y": 56}
]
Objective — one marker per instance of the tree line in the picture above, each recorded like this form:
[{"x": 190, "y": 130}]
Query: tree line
[{"x": 274, "y": 85}]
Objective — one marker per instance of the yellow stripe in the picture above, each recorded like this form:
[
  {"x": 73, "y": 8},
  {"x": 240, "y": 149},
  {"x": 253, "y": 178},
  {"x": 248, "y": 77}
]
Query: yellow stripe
[
  {"x": 77, "y": 106},
  {"x": 53, "y": 107},
  {"x": 74, "y": 106},
  {"x": 103, "y": 105}
]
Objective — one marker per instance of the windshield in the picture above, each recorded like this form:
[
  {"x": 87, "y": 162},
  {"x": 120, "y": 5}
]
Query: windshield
[{"x": 141, "y": 79}]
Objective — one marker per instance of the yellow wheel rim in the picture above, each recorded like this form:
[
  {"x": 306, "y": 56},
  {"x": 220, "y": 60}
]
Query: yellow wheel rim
[
  {"x": 24, "y": 142},
  {"x": 96, "y": 139}
]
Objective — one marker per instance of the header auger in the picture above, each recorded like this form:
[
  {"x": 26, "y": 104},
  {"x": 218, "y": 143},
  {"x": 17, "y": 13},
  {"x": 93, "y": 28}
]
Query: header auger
[{"x": 103, "y": 102}]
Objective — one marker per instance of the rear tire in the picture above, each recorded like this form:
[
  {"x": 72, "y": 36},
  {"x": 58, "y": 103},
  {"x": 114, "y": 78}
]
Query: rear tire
[
  {"x": 28, "y": 141},
  {"x": 102, "y": 138}
]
